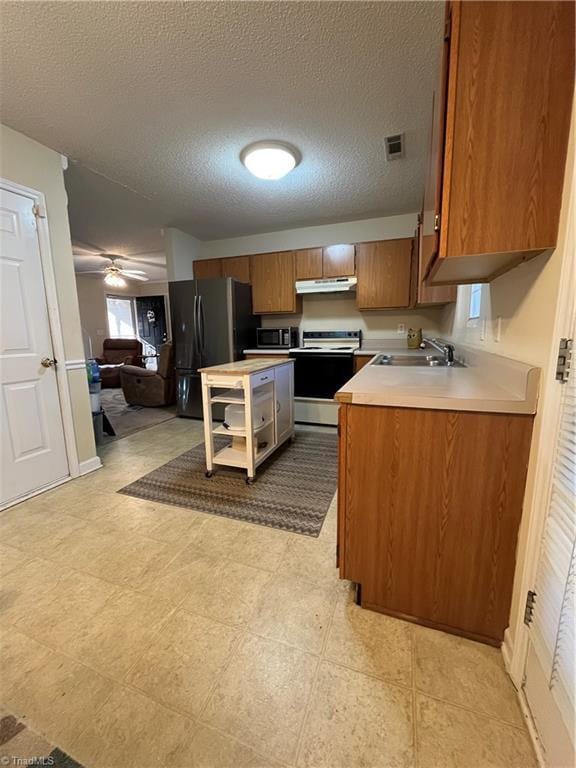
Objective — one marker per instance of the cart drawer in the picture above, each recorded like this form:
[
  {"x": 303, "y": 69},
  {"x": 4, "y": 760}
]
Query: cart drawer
[
  {"x": 213, "y": 380},
  {"x": 257, "y": 379}
]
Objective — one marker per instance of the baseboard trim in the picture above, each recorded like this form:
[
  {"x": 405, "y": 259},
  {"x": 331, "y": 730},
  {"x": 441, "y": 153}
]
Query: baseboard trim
[
  {"x": 532, "y": 732},
  {"x": 508, "y": 652},
  {"x": 90, "y": 465}
]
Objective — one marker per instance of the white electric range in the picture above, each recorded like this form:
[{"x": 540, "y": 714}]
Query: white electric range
[{"x": 323, "y": 364}]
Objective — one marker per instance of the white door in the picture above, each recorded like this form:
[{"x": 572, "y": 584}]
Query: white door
[
  {"x": 32, "y": 436},
  {"x": 284, "y": 402},
  {"x": 550, "y": 676}
]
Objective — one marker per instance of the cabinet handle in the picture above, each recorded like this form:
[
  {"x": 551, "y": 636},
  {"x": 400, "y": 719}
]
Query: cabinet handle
[{"x": 278, "y": 406}]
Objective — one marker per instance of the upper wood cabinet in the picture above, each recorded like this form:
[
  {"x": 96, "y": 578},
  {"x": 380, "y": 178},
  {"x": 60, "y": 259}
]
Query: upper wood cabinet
[
  {"x": 309, "y": 264},
  {"x": 425, "y": 295},
  {"x": 237, "y": 267},
  {"x": 330, "y": 261},
  {"x": 338, "y": 260},
  {"x": 505, "y": 103},
  {"x": 206, "y": 268},
  {"x": 273, "y": 276},
  {"x": 384, "y": 269}
]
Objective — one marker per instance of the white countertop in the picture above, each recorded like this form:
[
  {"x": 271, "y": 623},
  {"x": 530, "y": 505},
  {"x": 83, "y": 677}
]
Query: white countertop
[{"x": 489, "y": 383}]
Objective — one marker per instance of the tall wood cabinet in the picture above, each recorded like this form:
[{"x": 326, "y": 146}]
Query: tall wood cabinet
[
  {"x": 502, "y": 125},
  {"x": 273, "y": 276},
  {"x": 384, "y": 271}
]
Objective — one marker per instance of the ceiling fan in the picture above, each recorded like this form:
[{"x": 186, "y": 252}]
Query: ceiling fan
[{"x": 116, "y": 275}]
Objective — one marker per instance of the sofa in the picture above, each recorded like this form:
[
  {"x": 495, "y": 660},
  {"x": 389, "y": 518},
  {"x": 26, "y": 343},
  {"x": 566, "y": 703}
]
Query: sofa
[
  {"x": 150, "y": 388},
  {"x": 115, "y": 354}
]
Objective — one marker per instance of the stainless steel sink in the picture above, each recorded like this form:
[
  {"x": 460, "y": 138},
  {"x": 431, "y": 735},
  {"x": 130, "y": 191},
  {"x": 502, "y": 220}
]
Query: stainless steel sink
[{"x": 421, "y": 361}]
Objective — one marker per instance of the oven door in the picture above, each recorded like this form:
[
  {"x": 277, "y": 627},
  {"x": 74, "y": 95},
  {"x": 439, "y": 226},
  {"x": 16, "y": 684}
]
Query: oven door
[{"x": 321, "y": 375}]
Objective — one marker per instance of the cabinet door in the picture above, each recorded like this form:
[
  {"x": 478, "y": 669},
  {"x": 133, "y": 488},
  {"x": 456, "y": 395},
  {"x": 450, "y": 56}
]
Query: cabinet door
[
  {"x": 309, "y": 264},
  {"x": 273, "y": 276},
  {"x": 429, "y": 295},
  {"x": 383, "y": 270},
  {"x": 237, "y": 267},
  {"x": 338, "y": 260},
  {"x": 284, "y": 402},
  {"x": 207, "y": 268}
]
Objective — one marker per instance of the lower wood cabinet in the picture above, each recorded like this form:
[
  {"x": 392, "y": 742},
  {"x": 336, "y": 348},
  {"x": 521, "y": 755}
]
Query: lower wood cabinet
[
  {"x": 383, "y": 269},
  {"x": 429, "y": 505},
  {"x": 273, "y": 276}
]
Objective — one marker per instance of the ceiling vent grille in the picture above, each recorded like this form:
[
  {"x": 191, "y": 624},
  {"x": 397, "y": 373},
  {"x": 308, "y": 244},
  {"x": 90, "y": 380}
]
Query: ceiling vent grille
[{"x": 394, "y": 146}]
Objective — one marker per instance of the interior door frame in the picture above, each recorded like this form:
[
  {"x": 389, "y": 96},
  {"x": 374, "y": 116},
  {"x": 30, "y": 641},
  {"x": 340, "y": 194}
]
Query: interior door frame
[
  {"x": 516, "y": 653},
  {"x": 55, "y": 326}
]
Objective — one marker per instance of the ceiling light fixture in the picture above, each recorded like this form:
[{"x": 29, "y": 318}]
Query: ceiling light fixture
[
  {"x": 114, "y": 279},
  {"x": 270, "y": 160}
]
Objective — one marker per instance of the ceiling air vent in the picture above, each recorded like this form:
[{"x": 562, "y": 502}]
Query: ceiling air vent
[{"x": 394, "y": 146}]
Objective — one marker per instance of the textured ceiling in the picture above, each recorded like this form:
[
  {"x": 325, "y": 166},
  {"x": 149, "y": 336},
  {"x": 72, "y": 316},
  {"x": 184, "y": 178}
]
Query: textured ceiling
[{"x": 160, "y": 97}]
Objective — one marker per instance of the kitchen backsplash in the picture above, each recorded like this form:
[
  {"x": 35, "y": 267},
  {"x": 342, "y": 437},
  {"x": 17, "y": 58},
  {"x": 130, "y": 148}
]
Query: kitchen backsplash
[{"x": 331, "y": 312}]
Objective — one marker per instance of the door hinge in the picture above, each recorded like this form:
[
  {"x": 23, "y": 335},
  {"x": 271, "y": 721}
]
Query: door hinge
[
  {"x": 437, "y": 222},
  {"x": 564, "y": 364},
  {"x": 529, "y": 607},
  {"x": 39, "y": 211}
]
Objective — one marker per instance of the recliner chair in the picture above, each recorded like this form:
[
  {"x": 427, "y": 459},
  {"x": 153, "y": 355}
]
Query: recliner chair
[
  {"x": 115, "y": 354},
  {"x": 150, "y": 388}
]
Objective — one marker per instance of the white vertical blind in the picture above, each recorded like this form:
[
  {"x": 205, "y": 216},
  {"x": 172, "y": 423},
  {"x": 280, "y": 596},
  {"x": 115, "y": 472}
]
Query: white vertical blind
[{"x": 553, "y": 628}]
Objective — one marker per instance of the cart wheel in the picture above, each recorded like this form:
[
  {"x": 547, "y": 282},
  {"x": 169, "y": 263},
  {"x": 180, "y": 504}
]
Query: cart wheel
[
  {"x": 209, "y": 473},
  {"x": 250, "y": 480}
]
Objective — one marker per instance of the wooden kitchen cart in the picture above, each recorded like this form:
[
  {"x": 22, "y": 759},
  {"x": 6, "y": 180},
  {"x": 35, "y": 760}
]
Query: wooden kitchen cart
[{"x": 264, "y": 387}]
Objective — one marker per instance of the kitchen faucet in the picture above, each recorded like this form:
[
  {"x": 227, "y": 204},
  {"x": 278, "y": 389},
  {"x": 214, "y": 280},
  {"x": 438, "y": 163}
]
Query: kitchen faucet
[{"x": 446, "y": 349}]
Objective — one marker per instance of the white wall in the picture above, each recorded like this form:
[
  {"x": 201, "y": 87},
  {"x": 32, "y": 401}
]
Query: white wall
[
  {"x": 24, "y": 161},
  {"x": 385, "y": 228},
  {"x": 332, "y": 312},
  {"x": 181, "y": 250}
]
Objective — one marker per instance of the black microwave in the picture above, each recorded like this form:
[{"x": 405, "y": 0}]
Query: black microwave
[{"x": 277, "y": 338}]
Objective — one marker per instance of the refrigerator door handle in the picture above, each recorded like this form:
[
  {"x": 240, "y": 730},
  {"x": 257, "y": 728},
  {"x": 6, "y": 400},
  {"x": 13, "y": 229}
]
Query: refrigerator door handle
[{"x": 202, "y": 326}]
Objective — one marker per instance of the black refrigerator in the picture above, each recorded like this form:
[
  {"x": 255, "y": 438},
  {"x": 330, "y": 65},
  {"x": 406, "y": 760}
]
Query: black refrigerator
[{"x": 212, "y": 323}]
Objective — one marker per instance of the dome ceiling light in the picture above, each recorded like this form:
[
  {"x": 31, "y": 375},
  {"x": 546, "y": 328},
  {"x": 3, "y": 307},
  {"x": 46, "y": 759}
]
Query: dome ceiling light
[{"x": 270, "y": 160}]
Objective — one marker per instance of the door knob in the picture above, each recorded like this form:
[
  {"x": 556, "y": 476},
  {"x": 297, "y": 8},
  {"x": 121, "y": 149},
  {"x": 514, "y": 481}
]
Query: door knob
[{"x": 47, "y": 362}]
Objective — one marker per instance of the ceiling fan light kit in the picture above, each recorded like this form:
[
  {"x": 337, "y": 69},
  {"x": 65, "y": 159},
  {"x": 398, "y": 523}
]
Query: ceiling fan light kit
[
  {"x": 114, "y": 280},
  {"x": 114, "y": 274}
]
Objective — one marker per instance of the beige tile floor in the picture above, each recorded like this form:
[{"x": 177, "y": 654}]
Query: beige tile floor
[{"x": 138, "y": 634}]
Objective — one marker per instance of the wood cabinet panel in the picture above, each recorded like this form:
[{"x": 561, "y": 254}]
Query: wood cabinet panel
[
  {"x": 338, "y": 260},
  {"x": 429, "y": 295},
  {"x": 433, "y": 501},
  {"x": 207, "y": 268},
  {"x": 273, "y": 276},
  {"x": 237, "y": 267},
  {"x": 360, "y": 361},
  {"x": 309, "y": 264},
  {"x": 510, "y": 83},
  {"x": 383, "y": 270}
]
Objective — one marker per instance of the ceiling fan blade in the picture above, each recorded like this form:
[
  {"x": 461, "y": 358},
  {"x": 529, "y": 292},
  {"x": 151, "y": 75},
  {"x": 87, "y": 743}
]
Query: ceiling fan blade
[
  {"x": 91, "y": 272},
  {"x": 133, "y": 271},
  {"x": 134, "y": 277}
]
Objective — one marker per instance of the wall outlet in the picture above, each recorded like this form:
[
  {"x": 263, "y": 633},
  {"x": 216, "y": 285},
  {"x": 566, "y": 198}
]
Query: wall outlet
[{"x": 400, "y": 328}]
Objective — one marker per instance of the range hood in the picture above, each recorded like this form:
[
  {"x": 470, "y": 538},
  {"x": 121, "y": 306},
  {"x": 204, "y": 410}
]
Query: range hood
[{"x": 327, "y": 285}]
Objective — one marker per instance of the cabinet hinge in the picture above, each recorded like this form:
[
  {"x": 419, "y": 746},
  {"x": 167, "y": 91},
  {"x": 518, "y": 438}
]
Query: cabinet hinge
[
  {"x": 447, "y": 28},
  {"x": 529, "y": 607},
  {"x": 39, "y": 211},
  {"x": 437, "y": 222},
  {"x": 564, "y": 364}
]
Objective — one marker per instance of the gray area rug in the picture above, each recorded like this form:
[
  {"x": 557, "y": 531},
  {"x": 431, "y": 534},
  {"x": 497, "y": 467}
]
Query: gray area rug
[
  {"x": 293, "y": 488},
  {"x": 127, "y": 419}
]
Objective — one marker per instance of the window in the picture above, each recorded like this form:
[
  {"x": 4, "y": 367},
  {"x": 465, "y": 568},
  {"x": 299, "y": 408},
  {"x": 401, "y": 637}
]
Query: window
[
  {"x": 475, "y": 301},
  {"x": 120, "y": 318}
]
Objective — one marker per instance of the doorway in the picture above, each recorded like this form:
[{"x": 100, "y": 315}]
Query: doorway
[{"x": 33, "y": 444}]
